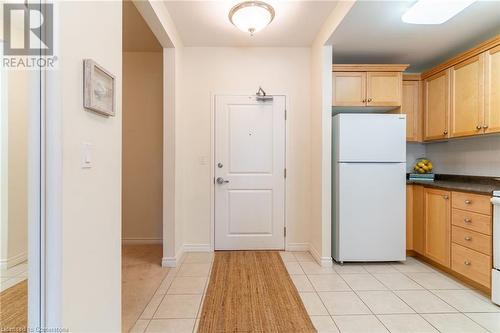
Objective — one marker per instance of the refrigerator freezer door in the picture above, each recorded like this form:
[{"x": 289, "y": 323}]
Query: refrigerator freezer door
[
  {"x": 369, "y": 137},
  {"x": 371, "y": 212}
]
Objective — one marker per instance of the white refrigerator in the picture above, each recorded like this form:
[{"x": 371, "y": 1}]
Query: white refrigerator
[{"x": 369, "y": 187}]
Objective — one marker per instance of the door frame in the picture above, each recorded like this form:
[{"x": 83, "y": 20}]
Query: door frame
[{"x": 212, "y": 162}]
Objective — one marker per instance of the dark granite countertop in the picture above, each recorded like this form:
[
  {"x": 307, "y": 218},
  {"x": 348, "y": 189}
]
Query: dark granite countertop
[{"x": 475, "y": 184}]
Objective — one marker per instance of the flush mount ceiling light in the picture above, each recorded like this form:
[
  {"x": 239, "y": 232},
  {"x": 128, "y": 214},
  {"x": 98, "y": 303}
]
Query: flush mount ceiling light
[
  {"x": 251, "y": 16},
  {"x": 434, "y": 12}
]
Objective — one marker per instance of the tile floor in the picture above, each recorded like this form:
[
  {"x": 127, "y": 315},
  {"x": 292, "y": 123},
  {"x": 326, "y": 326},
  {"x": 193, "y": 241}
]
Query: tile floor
[
  {"x": 13, "y": 275},
  {"x": 398, "y": 297}
]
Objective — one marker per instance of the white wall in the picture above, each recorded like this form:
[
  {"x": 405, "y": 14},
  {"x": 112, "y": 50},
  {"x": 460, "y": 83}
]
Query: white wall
[
  {"x": 84, "y": 205},
  {"x": 224, "y": 70}
]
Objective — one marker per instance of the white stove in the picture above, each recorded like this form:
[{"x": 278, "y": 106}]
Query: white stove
[{"x": 495, "y": 274}]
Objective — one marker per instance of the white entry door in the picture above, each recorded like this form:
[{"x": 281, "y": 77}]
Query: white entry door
[{"x": 249, "y": 173}]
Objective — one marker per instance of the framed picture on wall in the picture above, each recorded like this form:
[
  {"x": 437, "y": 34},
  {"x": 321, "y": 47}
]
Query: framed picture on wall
[{"x": 98, "y": 88}]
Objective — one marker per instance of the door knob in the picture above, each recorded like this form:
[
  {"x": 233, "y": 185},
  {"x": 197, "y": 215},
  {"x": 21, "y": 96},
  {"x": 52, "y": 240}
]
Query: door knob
[{"x": 221, "y": 181}]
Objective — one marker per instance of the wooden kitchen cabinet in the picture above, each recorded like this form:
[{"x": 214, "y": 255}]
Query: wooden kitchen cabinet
[
  {"x": 437, "y": 225},
  {"x": 436, "y": 106},
  {"x": 492, "y": 91},
  {"x": 349, "y": 89},
  {"x": 383, "y": 88},
  {"x": 411, "y": 106},
  {"x": 415, "y": 228},
  {"x": 467, "y": 97}
]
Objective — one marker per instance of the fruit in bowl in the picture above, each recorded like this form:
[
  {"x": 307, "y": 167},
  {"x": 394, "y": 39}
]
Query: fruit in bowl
[{"x": 423, "y": 166}]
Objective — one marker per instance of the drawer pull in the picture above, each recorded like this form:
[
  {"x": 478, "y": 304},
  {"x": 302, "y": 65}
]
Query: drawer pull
[
  {"x": 468, "y": 202},
  {"x": 445, "y": 197},
  {"x": 468, "y": 238},
  {"x": 467, "y": 262},
  {"x": 467, "y": 220}
]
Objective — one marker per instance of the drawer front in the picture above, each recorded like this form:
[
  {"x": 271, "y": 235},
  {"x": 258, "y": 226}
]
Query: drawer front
[
  {"x": 471, "y": 239},
  {"x": 471, "y": 202},
  {"x": 474, "y": 265},
  {"x": 472, "y": 221}
]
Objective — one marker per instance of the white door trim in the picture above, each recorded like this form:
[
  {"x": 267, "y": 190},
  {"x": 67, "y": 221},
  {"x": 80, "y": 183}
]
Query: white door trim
[{"x": 212, "y": 162}]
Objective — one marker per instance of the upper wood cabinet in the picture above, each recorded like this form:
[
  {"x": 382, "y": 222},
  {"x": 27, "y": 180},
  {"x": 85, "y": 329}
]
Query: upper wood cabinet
[
  {"x": 383, "y": 88},
  {"x": 367, "y": 85},
  {"x": 411, "y": 106},
  {"x": 436, "y": 106},
  {"x": 349, "y": 89},
  {"x": 437, "y": 225},
  {"x": 467, "y": 97},
  {"x": 492, "y": 91}
]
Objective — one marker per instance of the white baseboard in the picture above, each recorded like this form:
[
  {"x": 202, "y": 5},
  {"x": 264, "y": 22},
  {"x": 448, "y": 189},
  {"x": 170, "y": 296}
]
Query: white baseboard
[
  {"x": 302, "y": 247},
  {"x": 323, "y": 261},
  {"x": 139, "y": 241},
  {"x": 13, "y": 261},
  {"x": 197, "y": 248},
  {"x": 174, "y": 261}
]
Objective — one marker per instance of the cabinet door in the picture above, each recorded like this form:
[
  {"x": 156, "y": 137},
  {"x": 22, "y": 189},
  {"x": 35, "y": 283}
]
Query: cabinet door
[
  {"x": 418, "y": 220},
  {"x": 492, "y": 91},
  {"x": 383, "y": 88},
  {"x": 349, "y": 89},
  {"x": 411, "y": 107},
  {"x": 467, "y": 97},
  {"x": 409, "y": 217},
  {"x": 436, "y": 106},
  {"x": 437, "y": 225}
]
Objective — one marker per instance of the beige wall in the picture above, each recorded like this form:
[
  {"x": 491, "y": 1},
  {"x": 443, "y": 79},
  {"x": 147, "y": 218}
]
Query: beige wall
[
  {"x": 84, "y": 205},
  {"x": 225, "y": 70},
  {"x": 142, "y": 146}
]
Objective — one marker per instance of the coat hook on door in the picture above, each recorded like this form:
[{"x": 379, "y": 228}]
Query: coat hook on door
[{"x": 261, "y": 95}]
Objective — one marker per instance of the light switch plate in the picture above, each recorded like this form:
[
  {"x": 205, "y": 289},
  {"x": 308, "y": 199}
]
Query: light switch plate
[{"x": 86, "y": 155}]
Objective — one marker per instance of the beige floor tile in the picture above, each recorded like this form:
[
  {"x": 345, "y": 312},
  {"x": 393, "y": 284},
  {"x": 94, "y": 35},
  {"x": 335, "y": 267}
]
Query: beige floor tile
[
  {"x": 466, "y": 301},
  {"x": 406, "y": 323},
  {"x": 490, "y": 321},
  {"x": 171, "y": 326},
  {"x": 453, "y": 323},
  {"x": 359, "y": 324},
  {"x": 303, "y": 256},
  {"x": 423, "y": 301},
  {"x": 343, "y": 303},
  {"x": 397, "y": 281},
  {"x": 150, "y": 309},
  {"x": 179, "y": 307},
  {"x": 324, "y": 324},
  {"x": 302, "y": 283},
  {"x": 434, "y": 280},
  {"x": 328, "y": 282},
  {"x": 187, "y": 285},
  {"x": 287, "y": 257},
  {"x": 200, "y": 270},
  {"x": 349, "y": 268},
  {"x": 139, "y": 326},
  {"x": 314, "y": 268},
  {"x": 384, "y": 302},
  {"x": 380, "y": 268},
  {"x": 294, "y": 268},
  {"x": 412, "y": 266},
  {"x": 313, "y": 304},
  {"x": 363, "y": 282},
  {"x": 167, "y": 281},
  {"x": 199, "y": 258}
]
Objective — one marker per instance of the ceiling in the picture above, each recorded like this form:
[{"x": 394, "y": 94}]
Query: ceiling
[
  {"x": 137, "y": 37},
  {"x": 372, "y": 32},
  {"x": 206, "y": 23}
]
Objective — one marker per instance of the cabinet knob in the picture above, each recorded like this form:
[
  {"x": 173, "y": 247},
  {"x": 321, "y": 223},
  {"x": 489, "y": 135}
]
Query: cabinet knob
[
  {"x": 446, "y": 196},
  {"x": 369, "y": 99},
  {"x": 364, "y": 101},
  {"x": 468, "y": 238},
  {"x": 467, "y": 262},
  {"x": 485, "y": 126},
  {"x": 445, "y": 132},
  {"x": 467, "y": 220},
  {"x": 468, "y": 202},
  {"x": 478, "y": 127}
]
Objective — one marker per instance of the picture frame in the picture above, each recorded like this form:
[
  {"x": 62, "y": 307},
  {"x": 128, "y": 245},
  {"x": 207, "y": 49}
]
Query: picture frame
[{"x": 99, "y": 91}]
